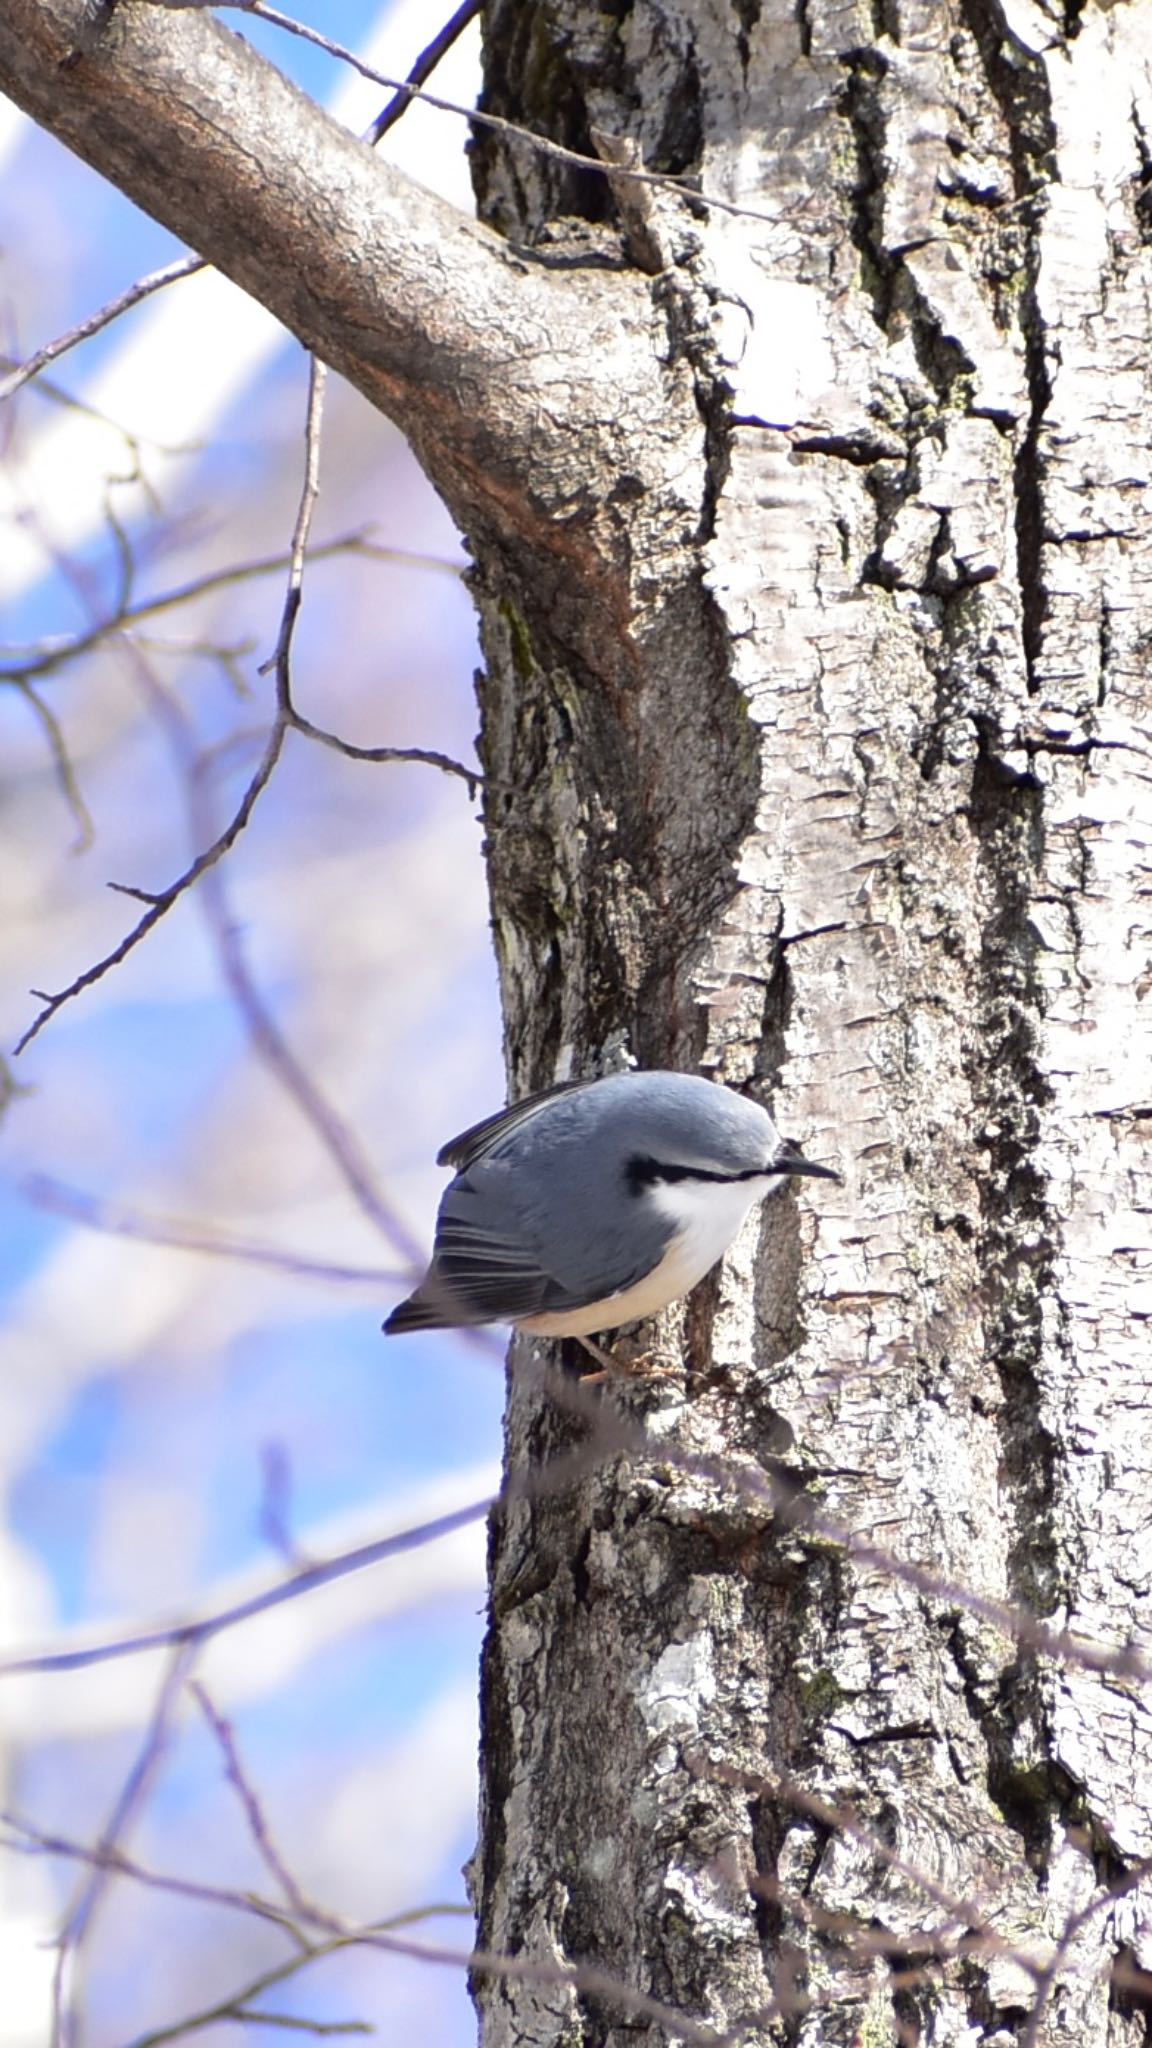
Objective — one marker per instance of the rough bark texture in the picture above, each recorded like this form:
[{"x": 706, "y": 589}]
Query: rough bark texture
[
  {"x": 924, "y": 394},
  {"x": 812, "y": 564}
]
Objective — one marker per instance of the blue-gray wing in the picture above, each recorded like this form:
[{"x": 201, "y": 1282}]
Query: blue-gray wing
[
  {"x": 479, "y": 1138},
  {"x": 490, "y": 1265}
]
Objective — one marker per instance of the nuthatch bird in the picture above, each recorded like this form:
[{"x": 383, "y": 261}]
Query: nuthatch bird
[{"x": 595, "y": 1204}]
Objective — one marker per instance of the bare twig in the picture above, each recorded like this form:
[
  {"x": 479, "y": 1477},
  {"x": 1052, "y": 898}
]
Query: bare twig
[
  {"x": 613, "y": 1435},
  {"x": 609, "y": 1437},
  {"x": 27, "y": 1839},
  {"x": 797, "y": 1510},
  {"x": 94, "y": 1214},
  {"x": 58, "y": 394},
  {"x": 132, "y": 1796},
  {"x": 295, "y": 2024},
  {"x": 161, "y": 903},
  {"x": 557, "y": 151},
  {"x": 971, "y": 1915},
  {"x": 423, "y": 68},
  {"x": 48, "y": 656},
  {"x": 253, "y": 1811},
  {"x": 426, "y": 755},
  {"x": 1074, "y": 1926},
  {"x": 279, "y": 660},
  {"x": 62, "y": 767},
  {"x": 861, "y": 1944},
  {"x": 237, "y": 2005},
  {"x": 379, "y": 1935},
  {"x": 321, "y": 1572},
  {"x": 580, "y": 1977}
]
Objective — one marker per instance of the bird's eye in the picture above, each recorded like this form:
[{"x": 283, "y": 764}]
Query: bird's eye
[{"x": 640, "y": 1172}]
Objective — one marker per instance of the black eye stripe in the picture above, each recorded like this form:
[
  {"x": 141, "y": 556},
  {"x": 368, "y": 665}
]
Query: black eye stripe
[{"x": 642, "y": 1171}]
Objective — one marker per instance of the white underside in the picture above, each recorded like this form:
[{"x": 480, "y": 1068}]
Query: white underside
[{"x": 707, "y": 1216}]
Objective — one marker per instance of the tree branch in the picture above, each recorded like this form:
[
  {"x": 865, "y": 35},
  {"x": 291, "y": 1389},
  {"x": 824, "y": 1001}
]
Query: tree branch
[
  {"x": 190, "y": 1634},
  {"x": 464, "y": 342},
  {"x": 184, "y": 266}
]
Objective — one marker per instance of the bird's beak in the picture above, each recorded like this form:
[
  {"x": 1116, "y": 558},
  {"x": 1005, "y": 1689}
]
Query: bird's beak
[{"x": 789, "y": 1160}]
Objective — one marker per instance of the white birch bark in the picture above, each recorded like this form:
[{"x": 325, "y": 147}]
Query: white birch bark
[{"x": 928, "y": 554}]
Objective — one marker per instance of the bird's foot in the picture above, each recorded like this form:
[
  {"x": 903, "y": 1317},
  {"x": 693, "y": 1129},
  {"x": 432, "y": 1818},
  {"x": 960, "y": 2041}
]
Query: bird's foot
[{"x": 649, "y": 1365}]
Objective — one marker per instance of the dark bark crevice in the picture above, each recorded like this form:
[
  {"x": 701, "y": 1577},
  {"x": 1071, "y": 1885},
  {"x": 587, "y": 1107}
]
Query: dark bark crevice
[
  {"x": 1019, "y": 1233},
  {"x": 1018, "y": 84}
]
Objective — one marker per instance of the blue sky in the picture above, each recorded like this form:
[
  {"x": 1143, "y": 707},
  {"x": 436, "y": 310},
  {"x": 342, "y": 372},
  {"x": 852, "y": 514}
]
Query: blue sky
[{"x": 144, "y": 1388}]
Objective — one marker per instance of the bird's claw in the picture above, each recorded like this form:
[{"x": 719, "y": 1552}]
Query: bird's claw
[{"x": 643, "y": 1367}]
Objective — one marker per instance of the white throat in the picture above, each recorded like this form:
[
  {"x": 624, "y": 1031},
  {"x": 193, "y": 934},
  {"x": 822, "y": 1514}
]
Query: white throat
[{"x": 706, "y": 1216}]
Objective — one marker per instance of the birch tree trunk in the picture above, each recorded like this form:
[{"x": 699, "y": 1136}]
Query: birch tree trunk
[
  {"x": 850, "y": 794},
  {"x": 812, "y": 567}
]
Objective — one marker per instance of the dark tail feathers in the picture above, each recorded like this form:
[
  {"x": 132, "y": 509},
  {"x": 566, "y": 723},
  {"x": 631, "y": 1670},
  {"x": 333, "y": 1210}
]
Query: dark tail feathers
[{"x": 415, "y": 1314}]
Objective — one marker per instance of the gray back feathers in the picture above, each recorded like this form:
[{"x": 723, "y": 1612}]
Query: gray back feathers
[{"x": 546, "y": 1213}]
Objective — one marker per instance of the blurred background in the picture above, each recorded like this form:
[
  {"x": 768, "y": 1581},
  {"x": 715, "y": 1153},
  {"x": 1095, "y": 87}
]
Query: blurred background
[{"x": 179, "y": 1425}]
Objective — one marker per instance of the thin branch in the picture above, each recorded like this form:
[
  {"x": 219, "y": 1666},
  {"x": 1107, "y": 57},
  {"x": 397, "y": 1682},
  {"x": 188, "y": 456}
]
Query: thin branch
[
  {"x": 407, "y": 91},
  {"x": 29, "y": 1840},
  {"x": 423, "y": 68},
  {"x": 62, "y": 769},
  {"x": 1073, "y": 1926},
  {"x": 291, "y": 2021},
  {"x": 972, "y": 1915},
  {"x": 253, "y": 1811},
  {"x": 123, "y": 552},
  {"x": 580, "y": 1977},
  {"x": 161, "y": 903},
  {"x": 425, "y": 755},
  {"x": 279, "y": 660},
  {"x": 321, "y": 1572},
  {"x": 236, "y": 2006},
  {"x": 868, "y": 1944},
  {"x": 609, "y": 1437},
  {"x": 129, "y": 1802},
  {"x": 796, "y": 1510},
  {"x": 134, "y": 443},
  {"x": 48, "y": 656},
  {"x": 88, "y": 1210},
  {"x": 615, "y": 1435}
]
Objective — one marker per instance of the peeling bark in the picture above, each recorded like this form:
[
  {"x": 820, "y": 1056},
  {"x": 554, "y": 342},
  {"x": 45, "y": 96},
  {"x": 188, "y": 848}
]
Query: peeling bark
[{"x": 812, "y": 566}]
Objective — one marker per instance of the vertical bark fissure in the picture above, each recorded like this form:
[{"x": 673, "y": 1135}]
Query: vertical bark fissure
[
  {"x": 1029, "y": 476},
  {"x": 1020, "y": 1232},
  {"x": 1018, "y": 84},
  {"x": 862, "y": 109}
]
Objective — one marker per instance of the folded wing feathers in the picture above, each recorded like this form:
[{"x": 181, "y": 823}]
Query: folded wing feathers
[{"x": 480, "y": 1138}]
